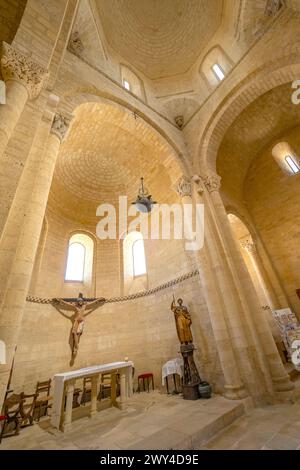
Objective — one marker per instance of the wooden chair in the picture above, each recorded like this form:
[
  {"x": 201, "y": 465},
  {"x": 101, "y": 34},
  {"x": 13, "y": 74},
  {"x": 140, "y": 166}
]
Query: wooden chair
[
  {"x": 27, "y": 408},
  {"x": 76, "y": 395},
  {"x": 11, "y": 414},
  {"x": 43, "y": 398},
  {"x": 105, "y": 386},
  {"x": 87, "y": 390}
]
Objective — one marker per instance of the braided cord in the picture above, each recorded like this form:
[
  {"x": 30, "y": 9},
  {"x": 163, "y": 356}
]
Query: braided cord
[{"x": 125, "y": 298}]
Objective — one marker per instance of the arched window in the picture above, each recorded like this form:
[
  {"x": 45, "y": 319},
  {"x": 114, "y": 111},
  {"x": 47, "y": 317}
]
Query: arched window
[
  {"x": 286, "y": 158},
  {"x": 131, "y": 82},
  {"x": 75, "y": 263},
  {"x": 292, "y": 164},
  {"x": 138, "y": 258},
  {"x": 134, "y": 263},
  {"x": 80, "y": 258},
  {"x": 218, "y": 71},
  {"x": 126, "y": 84},
  {"x": 215, "y": 66}
]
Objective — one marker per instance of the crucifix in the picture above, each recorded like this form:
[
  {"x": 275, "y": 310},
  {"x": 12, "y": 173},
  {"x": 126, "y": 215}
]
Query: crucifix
[{"x": 81, "y": 307}]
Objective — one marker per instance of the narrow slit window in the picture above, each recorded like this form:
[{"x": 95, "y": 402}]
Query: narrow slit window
[
  {"x": 139, "y": 260},
  {"x": 293, "y": 165},
  {"x": 75, "y": 262},
  {"x": 218, "y": 71},
  {"x": 126, "y": 84}
]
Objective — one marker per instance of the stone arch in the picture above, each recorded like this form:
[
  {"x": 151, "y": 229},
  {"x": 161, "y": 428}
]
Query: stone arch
[
  {"x": 10, "y": 20},
  {"x": 72, "y": 100},
  {"x": 261, "y": 81},
  {"x": 244, "y": 219}
]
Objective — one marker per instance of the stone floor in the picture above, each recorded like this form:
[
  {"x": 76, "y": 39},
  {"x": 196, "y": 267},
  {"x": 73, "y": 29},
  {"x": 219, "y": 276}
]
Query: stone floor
[
  {"x": 160, "y": 421},
  {"x": 149, "y": 421},
  {"x": 274, "y": 427}
]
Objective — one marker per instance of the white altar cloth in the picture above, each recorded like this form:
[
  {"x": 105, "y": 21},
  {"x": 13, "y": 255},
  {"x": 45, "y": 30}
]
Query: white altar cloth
[
  {"x": 60, "y": 379},
  {"x": 174, "y": 366}
]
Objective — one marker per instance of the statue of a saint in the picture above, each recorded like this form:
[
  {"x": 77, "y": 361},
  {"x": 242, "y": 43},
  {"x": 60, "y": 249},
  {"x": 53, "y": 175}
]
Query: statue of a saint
[
  {"x": 183, "y": 322},
  {"x": 80, "y": 307}
]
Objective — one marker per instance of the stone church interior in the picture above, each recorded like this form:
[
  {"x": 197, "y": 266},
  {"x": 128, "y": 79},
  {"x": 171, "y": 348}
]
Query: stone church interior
[{"x": 123, "y": 333}]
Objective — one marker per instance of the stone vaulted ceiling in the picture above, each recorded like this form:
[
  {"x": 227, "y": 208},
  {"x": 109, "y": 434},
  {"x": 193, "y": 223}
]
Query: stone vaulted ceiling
[
  {"x": 103, "y": 157},
  {"x": 159, "y": 37}
]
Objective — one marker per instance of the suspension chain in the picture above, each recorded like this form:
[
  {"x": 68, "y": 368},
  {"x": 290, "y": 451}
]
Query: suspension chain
[{"x": 124, "y": 298}]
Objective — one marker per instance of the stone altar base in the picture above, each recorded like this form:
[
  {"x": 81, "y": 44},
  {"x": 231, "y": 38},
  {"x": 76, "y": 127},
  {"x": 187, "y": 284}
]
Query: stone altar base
[{"x": 149, "y": 421}]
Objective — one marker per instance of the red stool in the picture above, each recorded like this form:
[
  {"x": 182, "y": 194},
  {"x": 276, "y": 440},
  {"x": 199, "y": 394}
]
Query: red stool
[{"x": 148, "y": 376}]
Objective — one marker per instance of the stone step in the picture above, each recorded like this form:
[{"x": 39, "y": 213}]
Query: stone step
[{"x": 195, "y": 427}]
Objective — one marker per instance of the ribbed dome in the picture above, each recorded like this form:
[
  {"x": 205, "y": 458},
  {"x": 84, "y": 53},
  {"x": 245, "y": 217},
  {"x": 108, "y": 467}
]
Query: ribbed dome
[{"x": 159, "y": 37}]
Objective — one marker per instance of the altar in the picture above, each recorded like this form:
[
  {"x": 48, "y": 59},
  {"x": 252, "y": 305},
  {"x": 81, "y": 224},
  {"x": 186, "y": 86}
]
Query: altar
[{"x": 64, "y": 385}]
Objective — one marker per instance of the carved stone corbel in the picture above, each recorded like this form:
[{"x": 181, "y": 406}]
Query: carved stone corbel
[{"x": 60, "y": 126}]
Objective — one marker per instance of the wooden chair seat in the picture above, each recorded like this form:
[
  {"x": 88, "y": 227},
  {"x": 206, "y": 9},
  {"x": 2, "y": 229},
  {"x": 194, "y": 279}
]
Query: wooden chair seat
[
  {"x": 87, "y": 390},
  {"x": 105, "y": 386},
  {"x": 43, "y": 399}
]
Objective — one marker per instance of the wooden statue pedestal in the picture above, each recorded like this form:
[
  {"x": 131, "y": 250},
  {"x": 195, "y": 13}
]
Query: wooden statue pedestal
[{"x": 191, "y": 377}]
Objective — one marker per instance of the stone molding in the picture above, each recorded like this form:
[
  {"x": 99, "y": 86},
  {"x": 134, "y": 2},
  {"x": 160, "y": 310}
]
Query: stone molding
[{"x": 16, "y": 66}]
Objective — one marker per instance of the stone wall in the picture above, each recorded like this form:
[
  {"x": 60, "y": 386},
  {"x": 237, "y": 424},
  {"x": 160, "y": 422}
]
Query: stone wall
[{"x": 142, "y": 329}]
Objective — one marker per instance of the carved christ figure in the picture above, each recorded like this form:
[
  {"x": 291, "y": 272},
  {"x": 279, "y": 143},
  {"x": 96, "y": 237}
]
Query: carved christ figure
[
  {"x": 183, "y": 322},
  {"x": 80, "y": 307}
]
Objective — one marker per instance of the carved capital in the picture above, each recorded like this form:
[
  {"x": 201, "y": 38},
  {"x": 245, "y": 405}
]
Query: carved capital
[
  {"x": 16, "y": 66},
  {"x": 212, "y": 182},
  {"x": 60, "y": 126},
  {"x": 183, "y": 187},
  {"x": 249, "y": 246}
]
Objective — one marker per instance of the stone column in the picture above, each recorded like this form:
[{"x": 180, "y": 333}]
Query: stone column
[
  {"x": 244, "y": 289},
  {"x": 24, "y": 80},
  {"x": 234, "y": 387},
  {"x": 94, "y": 394},
  {"x": 123, "y": 396},
  {"x": 130, "y": 382},
  {"x": 113, "y": 393},
  {"x": 20, "y": 270},
  {"x": 67, "y": 417}
]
